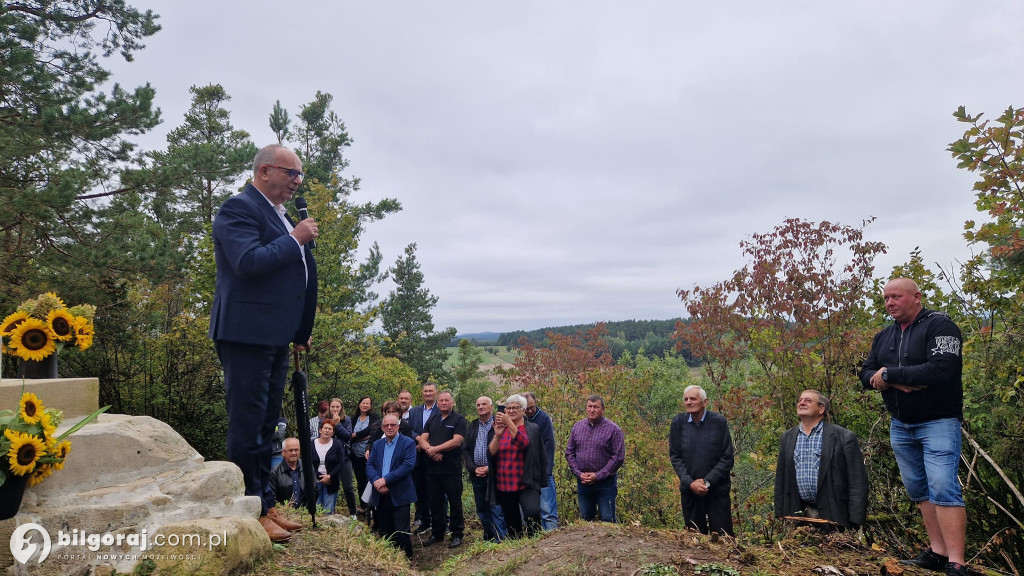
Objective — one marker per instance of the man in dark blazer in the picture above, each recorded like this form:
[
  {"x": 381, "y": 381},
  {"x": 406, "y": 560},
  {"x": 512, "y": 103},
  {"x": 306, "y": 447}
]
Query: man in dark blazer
[
  {"x": 389, "y": 470},
  {"x": 418, "y": 416},
  {"x": 820, "y": 471},
  {"x": 478, "y": 463},
  {"x": 700, "y": 448},
  {"x": 264, "y": 302}
]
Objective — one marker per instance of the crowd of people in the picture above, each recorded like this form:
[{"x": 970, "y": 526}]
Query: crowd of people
[
  {"x": 414, "y": 457},
  {"x": 417, "y": 455},
  {"x": 263, "y": 311}
]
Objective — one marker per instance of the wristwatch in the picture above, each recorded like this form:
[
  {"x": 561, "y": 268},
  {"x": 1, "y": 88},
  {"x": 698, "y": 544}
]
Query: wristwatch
[{"x": 885, "y": 374}]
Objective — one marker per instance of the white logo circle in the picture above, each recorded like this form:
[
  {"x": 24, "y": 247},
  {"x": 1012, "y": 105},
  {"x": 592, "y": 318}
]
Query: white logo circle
[{"x": 23, "y": 548}]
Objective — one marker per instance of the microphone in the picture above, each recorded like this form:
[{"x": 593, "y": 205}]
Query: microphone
[{"x": 300, "y": 205}]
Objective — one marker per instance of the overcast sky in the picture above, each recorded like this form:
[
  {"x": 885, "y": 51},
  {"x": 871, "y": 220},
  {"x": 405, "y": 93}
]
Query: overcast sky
[{"x": 571, "y": 162}]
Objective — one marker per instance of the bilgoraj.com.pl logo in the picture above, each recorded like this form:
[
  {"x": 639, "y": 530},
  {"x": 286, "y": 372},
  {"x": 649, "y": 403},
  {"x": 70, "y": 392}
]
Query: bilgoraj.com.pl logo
[
  {"x": 31, "y": 537},
  {"x": 23, "y": 546}
]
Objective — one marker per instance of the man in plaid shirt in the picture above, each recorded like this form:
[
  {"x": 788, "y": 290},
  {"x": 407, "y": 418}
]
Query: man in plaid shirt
[
  {"x": 595, "y": 452},
  {"x": 820, "y": 472}
]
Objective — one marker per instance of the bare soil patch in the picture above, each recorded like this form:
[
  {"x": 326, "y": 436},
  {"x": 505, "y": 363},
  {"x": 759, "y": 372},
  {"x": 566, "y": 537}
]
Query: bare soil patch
[{"x": 585, "y": 549}]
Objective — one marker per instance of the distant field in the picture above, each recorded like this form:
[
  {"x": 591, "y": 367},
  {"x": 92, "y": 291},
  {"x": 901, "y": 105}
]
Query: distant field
[{"x": 501, "y": 354}]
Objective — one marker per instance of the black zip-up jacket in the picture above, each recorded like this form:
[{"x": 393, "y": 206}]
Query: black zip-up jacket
[{"x": 927, "y": 353}]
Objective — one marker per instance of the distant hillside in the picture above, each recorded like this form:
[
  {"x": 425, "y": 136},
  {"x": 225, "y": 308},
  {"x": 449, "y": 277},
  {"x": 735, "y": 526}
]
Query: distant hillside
[
  {"x": 654, "y": 337},
  {"x": 478, "y": 338}
]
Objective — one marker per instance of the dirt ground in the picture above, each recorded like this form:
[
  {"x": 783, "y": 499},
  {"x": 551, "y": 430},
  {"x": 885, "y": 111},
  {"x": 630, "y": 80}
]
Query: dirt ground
[
  {"x": 584, "y": 549},
  {"x": 616, "y": 550}
]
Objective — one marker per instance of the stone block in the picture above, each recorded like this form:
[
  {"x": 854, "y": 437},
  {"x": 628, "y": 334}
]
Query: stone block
[
  {"x": 76, "y": 397},
  {"x": 214, "y": 546}
]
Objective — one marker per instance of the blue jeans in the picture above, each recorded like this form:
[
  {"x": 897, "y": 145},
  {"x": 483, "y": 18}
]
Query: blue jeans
[
  {"x": 928, "y": 454},
  {"x": 549, "y": 505},
  {"x": 598, "y": 497},
  {"x": 490, "y": 516},
  {"x": 275, "y": 460},
  {"x": 325, "y": 499}
]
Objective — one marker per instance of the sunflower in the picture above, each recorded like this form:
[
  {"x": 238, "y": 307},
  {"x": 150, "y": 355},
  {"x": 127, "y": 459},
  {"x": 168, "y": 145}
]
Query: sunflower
[
  {"x": 84, "y": 332},
  {"x": 30, "y": 408},
  {"x": 32, "y": 340},
  {"x": 42, "y": 472},
  {"x": 61, "y": 452},
  {"x": 11, "y": 322},
  {"x": 48, "y": 429},
  {"x": 60, "y": 323},
  {"x": 25, "y": 451}
]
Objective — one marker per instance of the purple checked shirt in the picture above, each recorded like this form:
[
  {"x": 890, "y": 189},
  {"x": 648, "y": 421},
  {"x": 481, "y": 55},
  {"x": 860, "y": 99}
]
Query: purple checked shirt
[{"x": 596, "y": 448}]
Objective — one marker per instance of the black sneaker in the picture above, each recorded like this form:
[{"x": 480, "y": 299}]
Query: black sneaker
[
  {"x": 956, "y": 569},
  {"x": 928, "y": 560}
]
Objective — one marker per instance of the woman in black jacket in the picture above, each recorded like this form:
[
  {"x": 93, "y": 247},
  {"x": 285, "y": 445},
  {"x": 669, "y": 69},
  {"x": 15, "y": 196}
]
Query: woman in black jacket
[
  {"x": 328, "y": 456},
  {"x": 364, "y": 422},
  {"x": 343, "y": 433}
]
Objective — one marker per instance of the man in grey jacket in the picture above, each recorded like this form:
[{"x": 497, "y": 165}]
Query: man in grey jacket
[{"x": 820, "y": 471}]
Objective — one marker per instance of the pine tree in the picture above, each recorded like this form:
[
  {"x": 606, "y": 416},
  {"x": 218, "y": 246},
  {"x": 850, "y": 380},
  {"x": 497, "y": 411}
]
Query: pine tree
[{"x": 408, "y": 323}]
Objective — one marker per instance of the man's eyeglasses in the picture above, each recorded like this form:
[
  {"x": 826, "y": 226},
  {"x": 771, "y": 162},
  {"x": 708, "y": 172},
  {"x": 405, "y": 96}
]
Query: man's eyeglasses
[
  {"x": 291, "y": 172},
  {"x": 807, "y": 401},
  {"x": 388, "y": 425}
]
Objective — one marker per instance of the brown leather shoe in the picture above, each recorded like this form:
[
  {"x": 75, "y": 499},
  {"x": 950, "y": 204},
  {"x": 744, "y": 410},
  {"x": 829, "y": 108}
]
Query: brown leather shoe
[
  {"x": 276, "y": 533},
  {"x": 282, "y": 521}
]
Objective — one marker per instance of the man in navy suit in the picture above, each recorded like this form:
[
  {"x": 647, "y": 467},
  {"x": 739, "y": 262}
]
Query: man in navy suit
[
  {"x": 418, "y": 416},
  {"x": 389, "y": 470},
  {"x": 265, "y": 302}
]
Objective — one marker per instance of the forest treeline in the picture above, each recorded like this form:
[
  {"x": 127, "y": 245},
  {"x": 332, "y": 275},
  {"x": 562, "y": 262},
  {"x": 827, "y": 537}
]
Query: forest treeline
[
  {"x": 88, "y": 214},
  {"x": 652, "y": 338}
]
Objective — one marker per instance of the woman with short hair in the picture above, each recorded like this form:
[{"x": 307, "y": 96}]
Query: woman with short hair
[
  {"x": 518, "y": 467},
  {"x": 322, "y": 411},
  {"x": 327, "y": 457}
]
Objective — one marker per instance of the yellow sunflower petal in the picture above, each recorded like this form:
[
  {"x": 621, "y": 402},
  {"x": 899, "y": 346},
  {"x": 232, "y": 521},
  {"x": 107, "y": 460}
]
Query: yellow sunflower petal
[
  {"x": 42, "y": 472},
  {"x": 30, "y": 408},
  {"x": 84, "y": 332},
  {"x": 11, "y": 322},
  {"x": 32, "y": 340},
  {"x": 25, "y": 451},
  {"x": 48, "y": 429},
  {"x": 61, "y": 324}
]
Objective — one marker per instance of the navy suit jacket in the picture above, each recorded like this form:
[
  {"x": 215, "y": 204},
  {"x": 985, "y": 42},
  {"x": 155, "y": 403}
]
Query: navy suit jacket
[
  {"x": 399, "y": 478},
  {"x": 416, "y": 418},
  {"x": 263, "y": 295}
]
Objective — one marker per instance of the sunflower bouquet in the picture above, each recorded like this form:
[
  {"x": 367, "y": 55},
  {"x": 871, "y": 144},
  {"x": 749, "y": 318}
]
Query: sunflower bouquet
[
  {"x": 44, "y": 324},
  {"x": 28, "y": 446}
]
